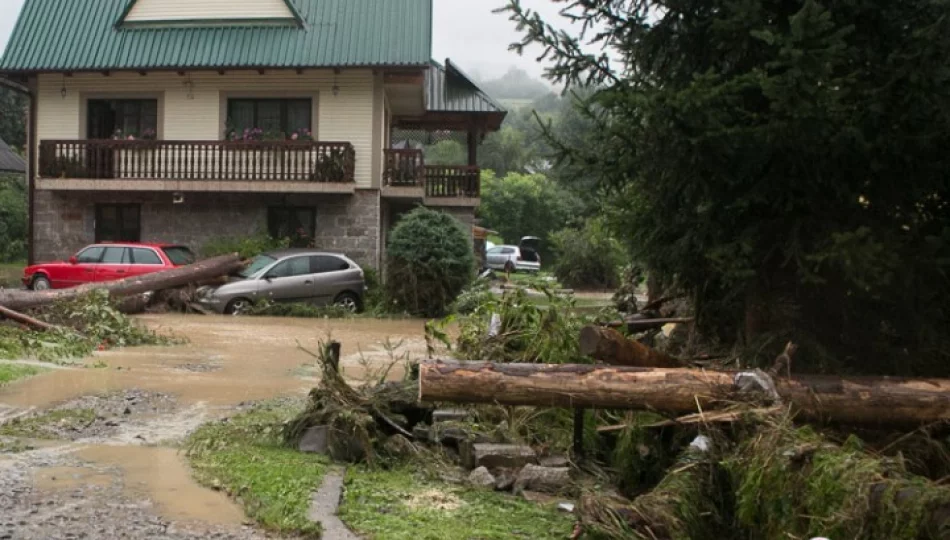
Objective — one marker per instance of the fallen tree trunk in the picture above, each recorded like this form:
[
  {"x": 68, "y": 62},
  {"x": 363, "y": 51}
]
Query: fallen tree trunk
[
  {"x": 197, "y": 272},
  {"x": 613, "y": 348},
  {"x": 26, "y": 320},
  {"x": 848, "y": 400}
]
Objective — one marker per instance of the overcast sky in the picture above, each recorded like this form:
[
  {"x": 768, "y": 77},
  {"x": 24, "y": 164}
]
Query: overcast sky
[{"x": 465, "y": 30}]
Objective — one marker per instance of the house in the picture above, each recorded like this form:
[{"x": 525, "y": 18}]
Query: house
[{"x": 187, "y": 120}]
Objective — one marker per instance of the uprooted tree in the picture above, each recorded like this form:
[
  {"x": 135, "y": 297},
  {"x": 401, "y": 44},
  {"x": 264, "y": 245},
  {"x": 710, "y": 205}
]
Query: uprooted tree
[{"x": 782, "y": 162}]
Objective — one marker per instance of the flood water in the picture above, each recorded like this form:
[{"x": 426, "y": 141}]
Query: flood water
[{"x": 225, "y": 362}]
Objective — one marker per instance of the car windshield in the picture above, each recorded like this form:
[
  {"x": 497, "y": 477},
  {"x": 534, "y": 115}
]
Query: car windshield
[
  {"x": 259, "y": 263},
  {"x": 179, "y": 255}
]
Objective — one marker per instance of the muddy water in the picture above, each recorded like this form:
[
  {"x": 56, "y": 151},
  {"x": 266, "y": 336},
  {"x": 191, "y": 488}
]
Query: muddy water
[
  {"x": 161, "y": 475},
  {"x": 66, "y": 478},
  {"x": 227, "y": 360}
]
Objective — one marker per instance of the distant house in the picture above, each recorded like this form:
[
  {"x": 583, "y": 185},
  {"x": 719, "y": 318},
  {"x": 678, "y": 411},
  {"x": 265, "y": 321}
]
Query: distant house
[
  {"x": 10, "y": 161},
  {"x": 185, "y": 120}
]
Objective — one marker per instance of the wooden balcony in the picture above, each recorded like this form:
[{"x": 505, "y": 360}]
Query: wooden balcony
[
  {"x": 142, "y": 165},
  {"x": 406, "y": 176}
]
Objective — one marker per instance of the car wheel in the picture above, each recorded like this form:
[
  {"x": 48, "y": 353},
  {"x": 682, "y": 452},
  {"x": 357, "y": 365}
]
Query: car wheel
[
  {"x": 41, "y": 283},
  {"x": 348, "y": 301},
  {"x": 238, "y": 306},
  {"x": 510, "y": 267}
]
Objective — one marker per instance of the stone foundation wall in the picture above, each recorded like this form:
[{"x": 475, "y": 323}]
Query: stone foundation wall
[{"x": 65, "y": 221}]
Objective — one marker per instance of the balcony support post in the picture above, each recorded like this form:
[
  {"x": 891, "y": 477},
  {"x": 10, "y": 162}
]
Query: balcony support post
[{"x": 472, "y": 146}]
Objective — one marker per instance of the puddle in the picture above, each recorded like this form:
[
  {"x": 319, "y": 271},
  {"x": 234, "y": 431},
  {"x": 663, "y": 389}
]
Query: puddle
[
  {"x": 67, "y": 478},
  {"x": 161, "y": 475},
  {"x": 248, "y": 359}
]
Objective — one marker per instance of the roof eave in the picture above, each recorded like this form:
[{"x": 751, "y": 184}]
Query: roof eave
[{"x": 100, "y": 69}]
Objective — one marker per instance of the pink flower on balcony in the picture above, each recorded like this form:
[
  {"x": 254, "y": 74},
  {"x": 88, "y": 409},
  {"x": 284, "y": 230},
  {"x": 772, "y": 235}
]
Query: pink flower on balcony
[
  {"x": 294, "y": 137},
  {"x": 130, "y": 138}
]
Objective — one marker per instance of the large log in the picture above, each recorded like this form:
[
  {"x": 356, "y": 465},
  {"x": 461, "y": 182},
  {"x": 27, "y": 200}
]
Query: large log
[
  {"x": 848, "y": 400},
  {"x": 612, "y": 347},
  {"x": 197, "y": 272}
]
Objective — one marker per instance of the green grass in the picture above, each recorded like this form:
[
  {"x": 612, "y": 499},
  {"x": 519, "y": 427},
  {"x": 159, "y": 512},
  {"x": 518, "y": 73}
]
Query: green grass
[
  {"x": 34, "y": 427},
  {"x": 245, "y": 457},
  {"x": 402, "y": 504},
  {"x": 10, "y": 274},
  {"x": 12, "y": 372}
]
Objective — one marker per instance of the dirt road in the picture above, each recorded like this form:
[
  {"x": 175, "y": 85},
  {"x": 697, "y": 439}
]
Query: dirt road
[{"x": 120, "y": 474}]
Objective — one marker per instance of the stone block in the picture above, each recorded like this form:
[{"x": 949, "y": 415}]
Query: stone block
[
  {"x": 480, "y": 477},
  {"x": 493, "y": 456},
  {"x": 543, "y": 479}
]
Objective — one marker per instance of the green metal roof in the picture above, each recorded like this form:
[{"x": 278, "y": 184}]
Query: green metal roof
[
  {"x": 78, "y": 35},
  {"x": 448, "y": 89}
]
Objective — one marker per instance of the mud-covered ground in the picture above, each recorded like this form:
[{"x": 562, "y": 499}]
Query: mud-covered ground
[{"x": 93, "y": 452}]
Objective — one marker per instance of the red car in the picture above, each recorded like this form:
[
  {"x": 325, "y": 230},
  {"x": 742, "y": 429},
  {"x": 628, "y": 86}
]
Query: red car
[{"x": 106, "y": 262}]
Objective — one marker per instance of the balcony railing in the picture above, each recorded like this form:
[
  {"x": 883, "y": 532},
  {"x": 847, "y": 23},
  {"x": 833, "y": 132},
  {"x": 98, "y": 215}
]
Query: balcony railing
[
  {"x": 407, "y": 168},
  {"x": 448, "y": 181},
  {"x": 278, "y": 161}
]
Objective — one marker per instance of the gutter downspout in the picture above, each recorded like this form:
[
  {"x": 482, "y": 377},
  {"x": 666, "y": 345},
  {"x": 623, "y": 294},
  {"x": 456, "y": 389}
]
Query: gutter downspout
[{"x": 30, "y": 163}]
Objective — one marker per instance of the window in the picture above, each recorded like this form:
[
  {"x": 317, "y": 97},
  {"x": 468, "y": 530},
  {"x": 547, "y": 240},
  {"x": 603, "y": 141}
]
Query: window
[
  {"x": 179, "y": 255},
  {"x": 278, "y": 118},
  {"x": 298, "y": 224},
  {"x": 320, "y": 264},
  {"x": 495, "y": 251},
  {"x": 145, "y": 256},
  {"x": 298, "y": 266},
  {"x": 116, "y": 255},
  {"x": 259, "y": 263},
  {"x": 118, "y": 222},
  {"x": 90, "y": 255},
  {"x": 507, "y": 251},
  {"x": 121, "y": 118}
]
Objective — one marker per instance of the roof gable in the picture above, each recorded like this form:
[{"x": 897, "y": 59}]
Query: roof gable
[
  {"x": 207, "y": 11},
  {"x": 449, "y": 89},
  {"x": 82, "y": 35}
]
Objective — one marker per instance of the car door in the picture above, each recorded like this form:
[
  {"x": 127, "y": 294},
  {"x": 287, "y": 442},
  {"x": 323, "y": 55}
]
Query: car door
[
  {"x": 114, "y": 265},
  {"x": 290, "y": 280},
  {"x": 82, "y": 271},
  {"x": 493, "y": 257},
  {"x": 145, "y": 261},
  {"x": 332, "y": 276}
]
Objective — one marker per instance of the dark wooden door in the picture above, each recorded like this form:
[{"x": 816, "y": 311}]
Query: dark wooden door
[{"x": 101, "y": 124}]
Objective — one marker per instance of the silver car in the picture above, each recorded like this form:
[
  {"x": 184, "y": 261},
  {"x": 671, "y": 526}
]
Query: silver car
[
  {"x": 521, "y": 258},
  {"x": 290, "y": 275}
]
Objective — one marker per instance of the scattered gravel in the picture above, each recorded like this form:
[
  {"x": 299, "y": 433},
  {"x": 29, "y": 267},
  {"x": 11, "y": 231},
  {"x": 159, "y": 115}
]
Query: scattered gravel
[{"x": 112, "y": 411}]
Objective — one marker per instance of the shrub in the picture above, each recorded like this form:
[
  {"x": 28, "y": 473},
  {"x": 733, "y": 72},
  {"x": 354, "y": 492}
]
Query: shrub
[
  {"x": 430, "y": 261},
  {"x": 588, "y": 257},
  {"x": 247, "y": 247}
]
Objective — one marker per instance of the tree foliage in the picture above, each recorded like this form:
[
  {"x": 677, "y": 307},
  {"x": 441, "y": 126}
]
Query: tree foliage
[
  {"x": 588, "y": 256},
  {"x": 785, "y": 162},
  {"x": 13, "y": 117},
  {"x": 519, "y": 205},
  {"x": 430, "y": 262},
  {"x": 13, "y": 218}
]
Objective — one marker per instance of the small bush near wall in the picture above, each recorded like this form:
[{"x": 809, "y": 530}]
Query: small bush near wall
[
  {"x": 247, "y": 247},
  {"x": 430, "y": 262},
  {"x": 588, "y": 257}
]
